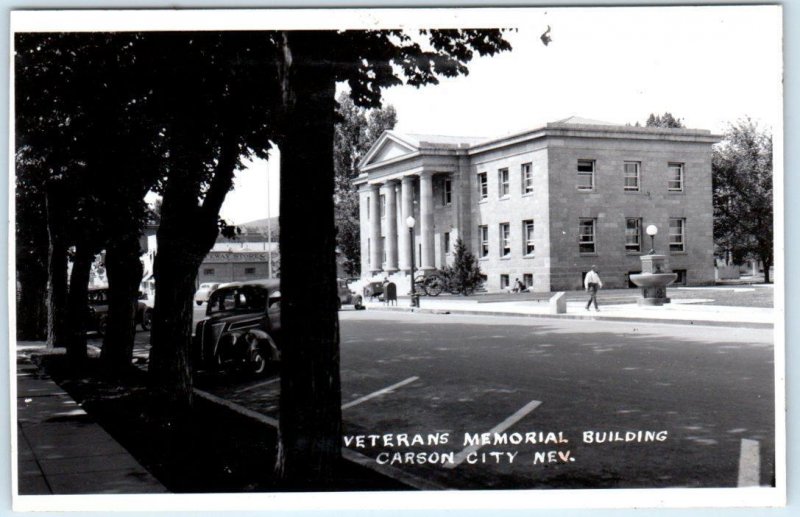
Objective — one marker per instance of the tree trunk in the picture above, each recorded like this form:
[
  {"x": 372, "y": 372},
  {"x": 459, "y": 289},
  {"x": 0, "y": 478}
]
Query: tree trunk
[
  {"x": 310, "y": 400},
  {"x": 56, "y": 274},
  {"x": 766, "y": 262},
  {"x": 124, "y": 270},
  {"x": 31, "y": 302},
  {"x": 77, "y": 308}
]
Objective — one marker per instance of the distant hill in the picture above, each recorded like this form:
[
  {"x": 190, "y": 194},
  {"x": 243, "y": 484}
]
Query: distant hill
[{"x": 257, "y": 230}]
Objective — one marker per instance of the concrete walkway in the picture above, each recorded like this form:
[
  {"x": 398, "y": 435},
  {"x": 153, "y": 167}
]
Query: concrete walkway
[
  {"x": 687, "y": 311},
  {"x": 62, "y": 451}
]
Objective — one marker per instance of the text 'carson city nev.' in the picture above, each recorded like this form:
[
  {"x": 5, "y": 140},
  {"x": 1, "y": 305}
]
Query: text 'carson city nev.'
[{"x": 393, "y": 448}]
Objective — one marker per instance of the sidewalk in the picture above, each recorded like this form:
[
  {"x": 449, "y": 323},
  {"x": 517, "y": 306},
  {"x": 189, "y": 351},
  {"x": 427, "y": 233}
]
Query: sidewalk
[
  {"x": 687, "y": 312},
  {"x": 61, "y": 450}
]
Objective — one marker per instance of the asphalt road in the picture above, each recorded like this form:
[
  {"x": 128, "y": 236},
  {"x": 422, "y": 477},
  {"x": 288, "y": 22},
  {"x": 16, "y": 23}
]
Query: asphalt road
[{"x": 702, "y": 397}]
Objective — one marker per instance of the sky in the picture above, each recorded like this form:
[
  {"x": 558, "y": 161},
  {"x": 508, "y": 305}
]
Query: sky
[{"x": 706, "y": 65}]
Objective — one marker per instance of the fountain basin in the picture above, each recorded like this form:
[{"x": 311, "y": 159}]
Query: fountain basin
[
  {"x": 654, "y": 279},
  {"x": 654, "y": 287}
]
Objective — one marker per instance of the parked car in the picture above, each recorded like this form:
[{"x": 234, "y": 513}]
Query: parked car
[
  {"x": 373, "y": 290},
  {"x": 349, "y": 297},
  {"x": 98, "y": 311},
  {"x": 241, "y": 328},
  {"x": 204, "y": 291}
]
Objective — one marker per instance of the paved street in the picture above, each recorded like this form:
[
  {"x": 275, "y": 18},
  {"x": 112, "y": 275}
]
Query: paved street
[{"x": 703, "y": 398}]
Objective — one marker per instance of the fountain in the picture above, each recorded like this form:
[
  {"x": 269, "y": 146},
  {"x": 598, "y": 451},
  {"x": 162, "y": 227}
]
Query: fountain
[{"x": 655, "y": 275}]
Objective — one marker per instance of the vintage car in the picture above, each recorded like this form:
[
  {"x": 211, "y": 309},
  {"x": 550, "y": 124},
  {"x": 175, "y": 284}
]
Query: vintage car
[
  {"x": 347, "y": 296},
  {"x": 98, "y": 311},
  {"x": 204, "y": 291},
  {"x": 241, "y": 328}
]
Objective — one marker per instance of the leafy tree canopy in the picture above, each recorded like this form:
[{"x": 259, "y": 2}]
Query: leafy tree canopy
[{"x": 666, "y": 120}]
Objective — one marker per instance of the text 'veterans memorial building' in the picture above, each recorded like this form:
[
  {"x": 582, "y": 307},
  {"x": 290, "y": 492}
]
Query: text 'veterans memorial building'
[{"x": 543, "y": 205}]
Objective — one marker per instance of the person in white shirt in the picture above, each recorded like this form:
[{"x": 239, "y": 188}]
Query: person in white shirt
[{"x": 592, "y": 283}]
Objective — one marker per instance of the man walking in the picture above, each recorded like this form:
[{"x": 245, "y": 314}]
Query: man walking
[{"x": 592, "y": 283}]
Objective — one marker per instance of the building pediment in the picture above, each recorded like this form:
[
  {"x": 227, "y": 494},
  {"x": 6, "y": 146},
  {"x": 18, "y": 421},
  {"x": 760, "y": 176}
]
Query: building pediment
[{"x": 388, "y": 147}]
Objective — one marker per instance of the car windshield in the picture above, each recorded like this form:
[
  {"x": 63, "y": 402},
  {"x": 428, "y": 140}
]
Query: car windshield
[
  {"x": 246, "y": 298},
  {"x": 97, "y": 297}
]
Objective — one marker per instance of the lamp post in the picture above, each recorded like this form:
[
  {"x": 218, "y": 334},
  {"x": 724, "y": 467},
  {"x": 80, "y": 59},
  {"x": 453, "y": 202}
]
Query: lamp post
[
  {"x": 652, "y": 230},
  {"x": 410, "y": 222}
]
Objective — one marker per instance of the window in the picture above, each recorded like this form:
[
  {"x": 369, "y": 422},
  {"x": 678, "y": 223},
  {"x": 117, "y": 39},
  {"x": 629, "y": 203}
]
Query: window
[
  {"x": 585, "y": 174},
  {"x": 527, "y": 178},
  {"x": 681, "y": 280},
  {"x": 675, "y": 177},
  {"x": 383, "y": 249},
  {"x": 483, "y": 232},
  {"x": 527, "y": 235},
  {"x": 483, "y": 186},
  {"x": 633, "y": 235},
  {"x": 527, "y": 279},
  {"x": 631, "y": 176},
  {"x": 505, "y": 240},
  {"x": 677, "y": 233},
  {"x": 447, "y": 191},
  {"x": 586, "y": 236},
  {"x": 383, "y": 206},
  {"x": 369, "y": 252},
  {"x": 208, "y": 271},
  {"x": 503, "y": 182},
  {"x": 249, "y": 271},
  {"x": 503, "y": 281},
  {"x": 447, "y": 243},
  {"x": 368, "y": 207}
]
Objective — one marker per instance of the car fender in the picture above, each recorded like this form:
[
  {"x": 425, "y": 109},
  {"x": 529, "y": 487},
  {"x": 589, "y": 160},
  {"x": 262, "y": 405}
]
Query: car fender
[{"x": 257, "y": 337}]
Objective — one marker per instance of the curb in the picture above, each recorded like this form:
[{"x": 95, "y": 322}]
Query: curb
[
  {"x": 347, "y": 454},
  {"x": 612, "y": 319}
]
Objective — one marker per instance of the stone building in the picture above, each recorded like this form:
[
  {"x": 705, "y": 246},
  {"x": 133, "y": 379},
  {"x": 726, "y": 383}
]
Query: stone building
[{"x": 543, "y": 205}]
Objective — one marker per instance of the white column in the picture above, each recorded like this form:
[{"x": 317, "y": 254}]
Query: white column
[
  {"x": 391, "y": 226},
  {"x": 376, "y": 253},
  {"x": 426, "y": 220},
  {"x": 407, "y": 202}
]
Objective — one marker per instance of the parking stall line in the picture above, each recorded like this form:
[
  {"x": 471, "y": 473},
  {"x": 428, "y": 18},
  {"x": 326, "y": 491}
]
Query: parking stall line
[
  {"x": 502, "y": 426},
  {"x": 749, "y": 463},
  {"x": 260, "y": 384},
  {"x": 379, "y": 393}
]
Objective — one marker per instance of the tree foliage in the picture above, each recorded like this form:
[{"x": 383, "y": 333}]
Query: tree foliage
[
  {"x": 465, "y": 273},
  {"x": 743, "y": 197},
  {"x": 356, "y": 131},
  {"x": 666, "y": 120}
]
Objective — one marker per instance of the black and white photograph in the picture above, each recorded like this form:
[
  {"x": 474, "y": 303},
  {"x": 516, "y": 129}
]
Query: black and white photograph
[{"x": 397, "y": 258}]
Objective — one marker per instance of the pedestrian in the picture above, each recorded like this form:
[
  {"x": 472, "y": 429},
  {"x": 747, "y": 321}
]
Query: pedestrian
[{"x": 592, "y": 283}]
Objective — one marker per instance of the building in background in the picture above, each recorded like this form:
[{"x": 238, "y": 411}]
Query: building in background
[{"x": 543, "y": 205}]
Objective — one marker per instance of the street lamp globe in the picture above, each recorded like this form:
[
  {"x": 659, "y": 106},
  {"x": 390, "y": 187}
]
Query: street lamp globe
[
  {"x": 652, "y": 230},
  {"x": 410, "y": 222}
]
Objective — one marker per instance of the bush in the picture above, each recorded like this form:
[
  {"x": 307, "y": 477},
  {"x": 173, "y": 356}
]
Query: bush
[{"x": 464, "y": 276}]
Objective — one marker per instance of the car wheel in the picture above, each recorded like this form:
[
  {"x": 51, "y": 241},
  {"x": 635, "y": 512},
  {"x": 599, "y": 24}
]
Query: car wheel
[
  {"x": 199, "y": 302},
  {"x": 102, "y": 325},
  {"x": 358, "y": 304},
  {"x": 258, "y": 363},
  {"x": 147, "y": 319}
]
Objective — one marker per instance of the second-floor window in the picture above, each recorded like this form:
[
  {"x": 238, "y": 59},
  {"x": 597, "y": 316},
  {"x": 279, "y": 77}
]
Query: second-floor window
[
  {"x": 677, "y": 234},
  {"x": 503, "y": 187},
  {"x": 447, "y": 191},
  {"x": 527, "y": 178},
  {"x": 586, "y": 237},
  {"x": 383, "y": 205},
  {"x": 505, "y": 240},
  {"x": 483, "y": 186},
  {"x": 483, "y": 234},
  {"x": 675, "y": 177},
  {"x": 633, "y": 235},
  {"x": 527, "y": 234},
  {"x": 631, "y": 176},
  {"x": 585, "y": 174}
]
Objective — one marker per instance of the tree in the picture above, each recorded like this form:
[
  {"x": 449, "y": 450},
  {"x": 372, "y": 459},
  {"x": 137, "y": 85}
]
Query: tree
[
  {"x": 743, "y": 198},
  {"x": 312, "y": 63},
  {"x": 465, "y": 273},
  {"x": 355, "y": 132},
  {"x": 665, "y": 120}
]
